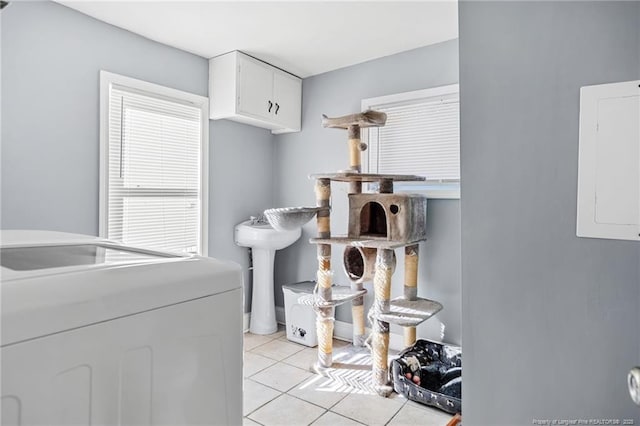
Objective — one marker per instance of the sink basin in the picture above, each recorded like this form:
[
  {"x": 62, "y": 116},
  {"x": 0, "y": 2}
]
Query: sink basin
[
  {"x": 263, "y": 241},
  {"x": 263, "y": 236}
]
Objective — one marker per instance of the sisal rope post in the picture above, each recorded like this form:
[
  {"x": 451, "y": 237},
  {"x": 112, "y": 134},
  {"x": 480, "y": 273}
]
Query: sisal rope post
[
  {"x": 355, "y": 162},
  {"x": 357, "y": 313},
  {"x": 324, "y": 315},
  {"x": 380, "y": 347},
  {"x": 323, "y": 196},
  {"x": 324, "y": 329},
  {"x": 355, "y": 187},
  {"x": 323, "y": 222},
  {"x": 382, "y": 280},
  {"x": 382, "y": 295},
  {"x": 354, "y": 147},
  {"x": 324, "y": 285},
  {"x": 410, "y": 286}
]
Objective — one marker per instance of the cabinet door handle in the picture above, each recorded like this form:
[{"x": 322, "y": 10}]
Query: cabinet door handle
[
  {"x": 277, "y": 108},
  {"x": 270, "y": 105}
]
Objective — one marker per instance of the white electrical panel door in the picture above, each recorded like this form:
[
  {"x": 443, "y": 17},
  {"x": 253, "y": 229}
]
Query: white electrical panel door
[{"x": 609, "y": 161}]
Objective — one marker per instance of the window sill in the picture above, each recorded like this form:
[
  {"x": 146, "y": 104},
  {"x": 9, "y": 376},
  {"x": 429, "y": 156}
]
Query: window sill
[{"x": 433, "y": 191}]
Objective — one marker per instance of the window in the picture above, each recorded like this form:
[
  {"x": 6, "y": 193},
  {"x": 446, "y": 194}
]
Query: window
[
  {"x": 153, "y": 153},
  {"x": 421, "y": 137}
]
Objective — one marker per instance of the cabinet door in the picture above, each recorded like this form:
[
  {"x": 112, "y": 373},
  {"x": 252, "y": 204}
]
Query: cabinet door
[
  {"x": 255, "y": 89},
  {"x": 287, "y": 92}
]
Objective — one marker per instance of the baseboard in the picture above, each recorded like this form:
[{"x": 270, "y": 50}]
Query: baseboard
[
  {"x": 341, "y": 330},
  {"x": 396, "y": 342},
  {"x": 245, "y": 321},
  {"x": 280, "y": 319},
  {"x": 280, "y": 315}
]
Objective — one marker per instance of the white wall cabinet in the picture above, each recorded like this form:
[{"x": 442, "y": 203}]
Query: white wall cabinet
[
  {"x": 609, "y": 161},
  {"x": 244, "y": 89}
]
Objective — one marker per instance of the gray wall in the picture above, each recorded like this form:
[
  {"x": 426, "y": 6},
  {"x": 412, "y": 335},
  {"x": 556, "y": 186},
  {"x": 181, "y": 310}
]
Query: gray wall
[
  {"x": 240, "y": 185},
  {"x": 550, "y": 321},
  {"x": 51, "y": 58},
  {"x": 316, "y": 149}
]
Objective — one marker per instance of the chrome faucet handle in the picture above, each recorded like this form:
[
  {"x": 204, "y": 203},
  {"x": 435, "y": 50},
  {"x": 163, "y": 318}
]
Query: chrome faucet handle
[{"x": 258, "y": 220}]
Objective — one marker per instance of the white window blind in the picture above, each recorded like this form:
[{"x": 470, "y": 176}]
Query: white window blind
[
  {"x": 421, "y": 137},
  {"x": 154, "y": 171}
]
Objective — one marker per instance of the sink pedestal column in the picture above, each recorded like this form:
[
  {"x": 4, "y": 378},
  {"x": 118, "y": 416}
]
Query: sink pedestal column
[{"x": 263, "y": 308}]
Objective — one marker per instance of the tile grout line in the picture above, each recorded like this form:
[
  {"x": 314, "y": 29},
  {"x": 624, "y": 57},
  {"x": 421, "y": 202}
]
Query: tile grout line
[
  {"x": 281, "y": 361},
  {"x": 284, "y": 363},
  {"x": 270, "y": 387},
  {"x": 258, "y": 371},
  {"x": 247, "y": 417},
  {"x": 274, "y": 359},
  {"x": 267, "y": 356},
  {"x": 347, "y": 417},
  {"x": 326, "y": 410},
  {"x": 259, "y": 407},
  {"x": 308, "y": 402},
  {"x": 281, "y": 392},
  {"x": 316, "y": 419},
  {"x": 395, "y": 415},
  {"x": 292, "y": 396}
]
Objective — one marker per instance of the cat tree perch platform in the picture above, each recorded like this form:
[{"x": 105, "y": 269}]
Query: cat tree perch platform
[
  {"x": 410, "y": 313},
  {"x": 365, "y": 177},
  {"x": 340, "y": 294}
]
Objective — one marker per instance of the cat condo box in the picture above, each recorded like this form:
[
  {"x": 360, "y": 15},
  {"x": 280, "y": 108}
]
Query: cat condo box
[{"x": 300, "y": 318}]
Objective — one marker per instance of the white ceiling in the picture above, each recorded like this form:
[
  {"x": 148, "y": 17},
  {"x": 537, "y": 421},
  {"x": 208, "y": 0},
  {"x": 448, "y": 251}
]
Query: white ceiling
[{"x": 302, "y": 37}]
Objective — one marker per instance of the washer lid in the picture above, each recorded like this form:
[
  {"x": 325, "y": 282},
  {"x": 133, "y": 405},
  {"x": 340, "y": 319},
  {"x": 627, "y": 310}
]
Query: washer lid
[{"x": 52, "y": 282}]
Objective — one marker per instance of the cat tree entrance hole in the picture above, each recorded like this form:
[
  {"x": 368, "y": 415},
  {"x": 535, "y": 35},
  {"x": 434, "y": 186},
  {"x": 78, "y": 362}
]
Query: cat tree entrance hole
[
  {"x": 360, "y": 263},
  {"x": 373, "y": 220},
  {"x": 353, "y": 263}
]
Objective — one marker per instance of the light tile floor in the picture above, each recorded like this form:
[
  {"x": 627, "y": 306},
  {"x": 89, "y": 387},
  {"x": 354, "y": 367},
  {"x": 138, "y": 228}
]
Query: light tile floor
[{"x": 279, "y": 389}]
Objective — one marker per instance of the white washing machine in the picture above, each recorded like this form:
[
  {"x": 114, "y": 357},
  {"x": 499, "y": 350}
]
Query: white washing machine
[{"x": 98, "y": 333}]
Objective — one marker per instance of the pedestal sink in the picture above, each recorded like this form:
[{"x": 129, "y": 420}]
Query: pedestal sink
[{"x": 263, "y": 241}]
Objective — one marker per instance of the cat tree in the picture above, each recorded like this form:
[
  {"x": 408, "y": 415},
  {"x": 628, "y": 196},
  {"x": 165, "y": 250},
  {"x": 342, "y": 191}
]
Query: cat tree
[{"x": 379, "y": 223}]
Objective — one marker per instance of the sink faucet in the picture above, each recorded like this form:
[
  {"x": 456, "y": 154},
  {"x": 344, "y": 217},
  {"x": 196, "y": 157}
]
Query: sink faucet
[{"x": 258, "y": 220}]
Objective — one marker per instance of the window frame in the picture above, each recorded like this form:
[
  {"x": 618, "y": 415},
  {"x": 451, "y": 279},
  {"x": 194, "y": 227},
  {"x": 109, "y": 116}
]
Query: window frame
[
  {"x": 107, "y": 80},
  {"x": 433, "y": 190}
]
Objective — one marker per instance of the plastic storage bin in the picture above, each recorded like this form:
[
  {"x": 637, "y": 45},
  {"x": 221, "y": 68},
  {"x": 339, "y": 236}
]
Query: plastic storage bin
[{"x": 300, "y": 319}]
